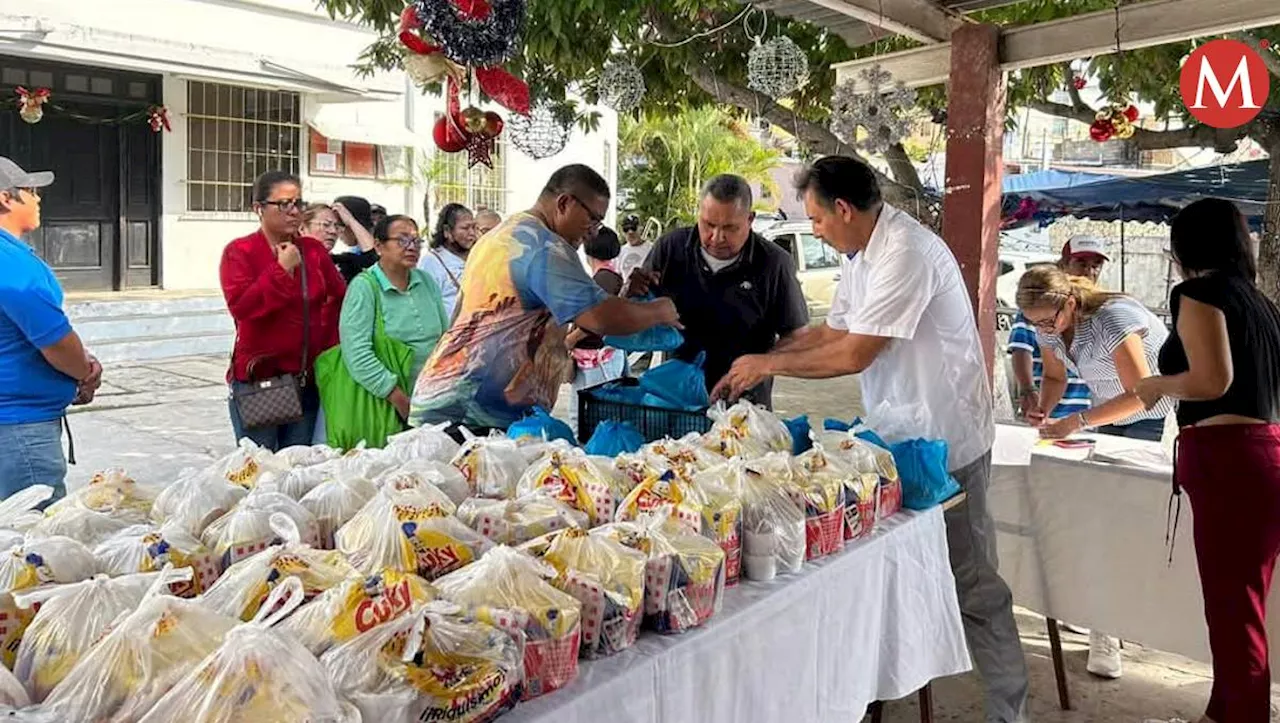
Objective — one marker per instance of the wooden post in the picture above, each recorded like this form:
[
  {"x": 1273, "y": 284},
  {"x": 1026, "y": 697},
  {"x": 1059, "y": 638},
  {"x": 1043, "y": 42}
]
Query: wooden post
[{"x": 975, "y": 165}]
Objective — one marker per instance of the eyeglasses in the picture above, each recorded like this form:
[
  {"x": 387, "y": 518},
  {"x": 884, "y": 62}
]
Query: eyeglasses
[
  {"x": 328, "y": 225},
  {"x": 1051, "y": 324},
  {"x": 287, "y": 205},
  {"x": 596, "y": 219},
  {"x": 408, "y": 242}
]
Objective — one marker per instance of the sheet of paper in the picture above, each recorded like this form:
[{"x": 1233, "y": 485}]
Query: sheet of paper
[{"x": 1014, "y": 445}]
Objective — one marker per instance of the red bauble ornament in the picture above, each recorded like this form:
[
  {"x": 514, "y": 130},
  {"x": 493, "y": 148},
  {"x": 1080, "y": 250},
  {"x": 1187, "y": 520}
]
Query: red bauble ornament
[
  {"x": 493, "y": 125},
  {"x": 448, "y": 137},
  {"x": 1131, "y": 113},
  {"x": 1101, "y": 131},
  {"x": 1079, "y": 82}
]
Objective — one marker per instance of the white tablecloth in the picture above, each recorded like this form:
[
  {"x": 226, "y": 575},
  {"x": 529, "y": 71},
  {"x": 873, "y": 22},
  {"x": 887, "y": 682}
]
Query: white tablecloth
[
  {"x": 1083, "y": 540},
  {"x": 876, "y": 622}
]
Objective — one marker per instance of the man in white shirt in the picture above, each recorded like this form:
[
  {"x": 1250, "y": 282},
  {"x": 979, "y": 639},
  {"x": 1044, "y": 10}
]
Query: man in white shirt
[
  {"x": 902, "y": 319},
  {"x": 634, "y": 251}
]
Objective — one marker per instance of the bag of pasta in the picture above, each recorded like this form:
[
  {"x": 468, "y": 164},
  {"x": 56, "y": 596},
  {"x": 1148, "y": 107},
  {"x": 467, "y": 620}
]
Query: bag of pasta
[
  {"x": 433, "y": 665},
  {"x": 195, "y": 500},
  {"x": 773, "y": 522},
  {"x": 335, "y": 502},
  {"x": 512, "y": 522},
  {"x": 747, "y": 431},
  {"x": 256, "y": 674},
  {"x": 491, "y": 465},
  {"x": 142, "y": 655},
  {"x": 70, "y": 621},
  {"x": 684, "y": 572},
  {"x": 608, "y": 579},
  {"x": 512, "y": 591},
  {"x": 417, "y": 472},
  {"x": 246, "y": 585},
  {"x": 819, "y": 485},
  {"x": 358, "y": 605},
  {"x": 428, "y": 442},
  {"x": 246, "y": 529},
  {"x": 147, "y": 548},
  {"x": 412, "y": 531},
  {"x": 570, "y": 477}
]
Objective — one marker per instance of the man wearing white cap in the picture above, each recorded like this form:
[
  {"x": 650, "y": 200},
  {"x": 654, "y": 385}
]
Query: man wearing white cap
[{"x": 43, "y": 365}]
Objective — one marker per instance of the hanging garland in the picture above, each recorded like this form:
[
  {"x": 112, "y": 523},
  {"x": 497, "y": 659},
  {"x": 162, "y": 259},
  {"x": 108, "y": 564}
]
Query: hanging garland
[
  {"x": 621, "y": 85},
  {"x": 540, "y": 134},
  {"x": 31, "y": 108},
  {"x": 886, "y": 116},
  {"x": 479, "y": 33},
  {"x": 1114, "y": 122}
]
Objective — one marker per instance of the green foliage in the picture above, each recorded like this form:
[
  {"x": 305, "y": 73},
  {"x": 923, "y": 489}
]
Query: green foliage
[{"x": 666, "y": 158}]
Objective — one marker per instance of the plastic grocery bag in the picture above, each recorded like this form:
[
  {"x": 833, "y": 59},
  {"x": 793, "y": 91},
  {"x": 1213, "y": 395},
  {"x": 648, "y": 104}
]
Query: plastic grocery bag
[
  {"x": 679, "y": 382},
  {"x": 356, "y": 606},
  {"x": 685, "y": 456},
  {"x": 304, "y": 456},
  {"x": 665, "y": 493},
  {"x": 13, "y": 696},
  {"x": 426, "y": 442},
  {"x": 246, "y": 530},
  {"x": 79, "y": 523},
  {"x": 246, "y": 585},
  {"x": 512, "y": 522},
  {"x": 619, "y": 393},
  {"x": 111, "y": 492},
  {"x": 772, "y": 521},
  {"x": 247, "y": 464},
  {"x": 611, "y": 439},
  {"x": 70, "y": 621},
  {"x": 608, "y": 579},
  {"x": 142, "y": 655},
  {"x": 410, "y": 531},
  {"x": 655, "y": 338},
  {"x": 195, "y": 500},
  {"x": 433, "y": 665},
  {"x": 747, "y": 431},
  {"x": 799, "y": 429},
  {"x": 922, "y": 464},
  {"x": 335, "y": 502},
  {"x": 819, "y": 486},
  {"x": 491, "y": 465},
  {"x": 147, "y": 548},
  {"x": 368, "y": 463},
  {"x": 256, "y": 674},
  {"x": 43, "y": 560},
  {"x": 512, "y": 591},
  {"x": 570, "y": 477},
  {"x": 539, "y": 424},
  {"x": 20, "y": 511},
  {"x": 441, "y": 476}
]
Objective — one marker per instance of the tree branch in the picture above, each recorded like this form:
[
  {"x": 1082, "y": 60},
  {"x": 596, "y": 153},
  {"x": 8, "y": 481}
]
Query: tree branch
[
  {"x": 1076, "y": 101},
  {"x": 1223, "y": 140}
]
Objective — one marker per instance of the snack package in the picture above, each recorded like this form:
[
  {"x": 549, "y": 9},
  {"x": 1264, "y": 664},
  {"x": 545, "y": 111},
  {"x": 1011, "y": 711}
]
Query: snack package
[
  {"x": 428, "y": 442},
  {"x": 704, "y": 507},
  {"x": 196, "y": 500},
  {"x": 869, "y": 458},
  {"x": 411, "y": 531},
  {"x": 31, "y": 563},
  {"x": 70, "y": 621},
  {"x": 245, "y": 586},
  {"x": 608, "y": 579},
  {"x": 416, "y": 472},
  {"x": 721, "y": 487},
  {"x": 302, "y": 456},
  {"x": 335, "y": 502},
  {"x": 747, "y": 431},
  {"x": 570, "y": 477},
  {"x": 142, "y": 655},
  {"x": 492, "y": 466},
  {"x": 511, "y": 590},
  {"x": 666, "y": 493},
  {"x": 356, "y": 606},
  {"x": 771, "y": 517},
  {"x": 247, "y": 464},
  {"x": 434, "y": 665},
  {"x": 684, "y": 572},
  {"x": 147, "y": 548},
  {"x": 256, "y": 674},
  {"x": 20, "y": 511},
  {"x": 819, "y": 485},
  {"x": 512, "y": 522},
  {"x": 246, "y": 529}
]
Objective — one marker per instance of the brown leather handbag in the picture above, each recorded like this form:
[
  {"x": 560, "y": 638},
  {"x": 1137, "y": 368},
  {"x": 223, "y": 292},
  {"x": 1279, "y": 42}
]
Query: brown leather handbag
[{"x": 276, "y": 401}]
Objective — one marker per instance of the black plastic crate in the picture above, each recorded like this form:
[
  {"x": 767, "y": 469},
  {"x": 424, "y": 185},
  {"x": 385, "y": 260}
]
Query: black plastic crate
[{"x": 652, "y": 422}]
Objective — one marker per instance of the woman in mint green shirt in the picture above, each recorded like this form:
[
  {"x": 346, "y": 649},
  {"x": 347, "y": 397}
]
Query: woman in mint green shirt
[{"x": 412, "y": 310}]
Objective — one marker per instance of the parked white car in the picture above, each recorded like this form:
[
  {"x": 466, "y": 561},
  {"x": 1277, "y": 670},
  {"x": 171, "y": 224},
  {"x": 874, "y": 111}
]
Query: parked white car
[{"x": 817, "y": 264}]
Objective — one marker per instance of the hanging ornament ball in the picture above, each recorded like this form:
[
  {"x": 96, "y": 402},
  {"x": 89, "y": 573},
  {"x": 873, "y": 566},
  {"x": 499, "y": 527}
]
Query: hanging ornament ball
[
  {"x": 472, "y": 37},
  {"x": 777, "y": 68},
  {"x": 1101, "y": 130},
  {"x": 882, "y": 109},
  {"x": 1131, "y": 113},
  {"x": 621, "y": 85},
  {"x": 448, "y": 138},
  {"x": 471, "y": 119},
  {"x": 493, "y": 125},
  {"x": 1079, "y": 82},
  {"x": 31, "y": 113},
  {"x": 540, "y": 134}
]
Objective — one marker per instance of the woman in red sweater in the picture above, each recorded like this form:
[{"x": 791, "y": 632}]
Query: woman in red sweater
[{"x": 262, "y": 280}]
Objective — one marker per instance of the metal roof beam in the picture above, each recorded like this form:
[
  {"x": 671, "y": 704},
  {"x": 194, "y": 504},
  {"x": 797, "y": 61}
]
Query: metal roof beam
[{"x": 919, "y": 20}]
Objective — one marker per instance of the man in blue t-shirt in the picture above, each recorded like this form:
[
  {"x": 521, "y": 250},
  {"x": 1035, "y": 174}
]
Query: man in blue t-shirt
[{"x": 44, "y": 367}]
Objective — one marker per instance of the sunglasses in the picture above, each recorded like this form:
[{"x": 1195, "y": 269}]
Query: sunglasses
[
  {"x": 596, "y": 219},
  {"x": 287, "y": 205}
]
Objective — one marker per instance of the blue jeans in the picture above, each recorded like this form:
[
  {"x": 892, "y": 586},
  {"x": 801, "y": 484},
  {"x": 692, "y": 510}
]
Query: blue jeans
[
  {"x": 1151, "y": 430},
  {"x": 298, "y": 434},
  {"x": 32, "y": 456}
]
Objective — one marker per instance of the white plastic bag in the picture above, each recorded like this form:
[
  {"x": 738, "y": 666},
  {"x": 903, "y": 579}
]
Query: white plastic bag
[
  {"x": 12, "y": 696},
  {"x": 335, "y": 502},
  {"x": 512, "y": 522},
  {"x": 357, "y": 606},
  {"x": 110, "y": 502},
  {"x": 773, "y": 524},
  {"x": 428, "y": 442},
  {"x": 147, "y": 548},
  {"x": 746, "y": 430},
  {"x": 20, "y": 510},
  {"x": 367, "y": 463},
  {"x": 302, "y": 456},
  {"x": 247, "y": 464},
  {"x": 246, "y": 529},
  {"x": 567, "y": 475},
  {"x": 441, "y": 475},
  {"x": 409, "y": 530},
  {"x": 46, "y": 559},
  {"x": 491, "y": 465},
  {"x": 196, "y": 500}
]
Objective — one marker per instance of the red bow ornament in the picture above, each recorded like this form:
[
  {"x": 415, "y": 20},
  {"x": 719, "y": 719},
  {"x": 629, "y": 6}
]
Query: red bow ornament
[
  {"x": 158, "y": 118},
  {"x": 30, "y": 103},
  {"x": 426, "y": 63}
]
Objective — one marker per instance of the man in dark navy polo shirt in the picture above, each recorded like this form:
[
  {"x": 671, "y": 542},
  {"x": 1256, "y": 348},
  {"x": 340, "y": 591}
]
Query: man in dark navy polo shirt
[
  {"x": 44, "y": 368},
  {"x": 736, "y": 292}
]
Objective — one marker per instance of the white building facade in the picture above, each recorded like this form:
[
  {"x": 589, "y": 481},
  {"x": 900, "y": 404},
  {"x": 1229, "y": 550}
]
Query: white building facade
[{"x": 249, "y": 86}]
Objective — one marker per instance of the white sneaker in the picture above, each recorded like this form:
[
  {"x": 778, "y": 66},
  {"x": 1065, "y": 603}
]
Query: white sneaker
[{"x": 1104, "y": 656}]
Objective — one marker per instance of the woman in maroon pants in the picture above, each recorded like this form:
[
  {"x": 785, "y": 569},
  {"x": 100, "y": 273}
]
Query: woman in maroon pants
[{"x": 1222, "y": 364}]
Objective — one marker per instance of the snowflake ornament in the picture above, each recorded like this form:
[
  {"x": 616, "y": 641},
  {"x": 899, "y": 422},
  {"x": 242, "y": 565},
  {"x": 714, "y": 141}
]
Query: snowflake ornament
[
  {"x": 621, "y": 85},
  {"x": 777, "y": 68},
  {"x": 884, "y": 114}
]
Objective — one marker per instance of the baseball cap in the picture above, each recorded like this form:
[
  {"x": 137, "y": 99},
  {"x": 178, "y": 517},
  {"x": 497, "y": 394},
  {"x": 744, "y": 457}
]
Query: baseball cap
[
  {"x": 631, "y": 223},
  {"x": 12, "y": 176},
  {"x": 1085, "y": 246}
]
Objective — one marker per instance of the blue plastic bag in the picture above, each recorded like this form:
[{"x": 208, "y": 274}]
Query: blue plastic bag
[
  {"x": 619, "y": 394},
  {"x": 658, "y": 338},
  {"x": 799, "y": 429},
  {"x": 835, "y": 425},
  {"x": 922, "y": 466},
  {"x": 539, "y": 424},
  {"x": 611, "y": 439},
  {"x": 680, "y": 383}
]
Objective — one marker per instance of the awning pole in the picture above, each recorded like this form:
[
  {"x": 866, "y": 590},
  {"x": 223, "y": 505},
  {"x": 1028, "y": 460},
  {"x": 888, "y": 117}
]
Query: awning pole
[{"x": 1122, "y": 254}]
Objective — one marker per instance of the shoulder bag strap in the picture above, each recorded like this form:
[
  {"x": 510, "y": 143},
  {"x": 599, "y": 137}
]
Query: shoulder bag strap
[
  {"x": 445, "y": 266},
  {"x": 306, "y": 320},
  {"x": 379, "y": 325}
]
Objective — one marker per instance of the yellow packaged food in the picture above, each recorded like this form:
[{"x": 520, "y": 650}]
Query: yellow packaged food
[
  {"x": 409, "y": 530},
  {"x": 667, "y": 493},
  {"x": 147, "y": 548},
  {"x": 356, "y": 606},
  {"x": 512, "y": 522},
  {"x": 747, "y": 431},
  {"x": 511, "y": 590},
  {"x": 246, "y": 529},
  {"x": 248, "y": 464},
  {"x": 608, "y": 579},
  {"x": 246, "y": 585},
  {"x": 819, "y": 485},
  {"x": 31, "y": 563},
  {"x": 568, "y": 476},
  {"x": 436, "y": 664}
]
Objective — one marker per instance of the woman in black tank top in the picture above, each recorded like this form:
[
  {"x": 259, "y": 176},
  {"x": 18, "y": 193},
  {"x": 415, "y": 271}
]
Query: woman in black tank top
[{"x": 1222, "y": 364}]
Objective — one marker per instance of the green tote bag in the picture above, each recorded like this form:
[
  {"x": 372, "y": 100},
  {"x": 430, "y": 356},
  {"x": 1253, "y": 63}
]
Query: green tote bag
[{"x": 353, "y": 415}]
